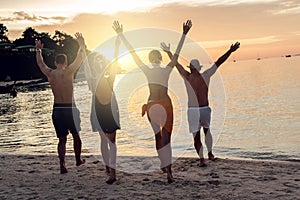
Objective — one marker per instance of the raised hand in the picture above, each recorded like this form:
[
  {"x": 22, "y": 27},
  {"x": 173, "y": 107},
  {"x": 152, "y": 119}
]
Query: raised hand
[
  {"x": 164, "y": 47},
  {"x": 117, "y": 27},
  {"x": 80, "y": 40},
  {"x": 38, "y": 44},
  {"x": 234, "y": 47},
  {"x": 187, "y": 26}
]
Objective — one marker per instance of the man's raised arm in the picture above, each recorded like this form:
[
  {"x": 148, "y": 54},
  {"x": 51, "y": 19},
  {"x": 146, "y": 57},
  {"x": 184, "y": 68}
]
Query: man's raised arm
[
  {"x": 80, "y": 54},
  {"x": 224, "y": 57},
  {"x": 119, "y": 30},
  {"x": 39, "y": 58},
  {"x": 186, "y": 27},
  {"x": 182, "y": 71}
]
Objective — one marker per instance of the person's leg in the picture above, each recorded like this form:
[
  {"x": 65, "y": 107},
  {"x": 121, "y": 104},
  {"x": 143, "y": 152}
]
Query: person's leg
[
  {"x": 72, "y": 118},
  {"x": 163, "y": 147},
  {"x": 61, "y": 148},
  {"x": 199, "y": 148},
  {"x": 112, "y": 157},
  {"x": 205, "y": 121},
  {"x": 208, "y": 142},
  {"x": 197, "y": 141},
  {"x": 158, "y": 137},
  {"x": 195, "y": 128},
  {"x": 58, "y": 120},
  {"x": 166, "y": 152},
  {"x": 77, "y": 149},
  {"x": 159, "y": 145},
  {"x": 161, "y": 118},
  {"x": 104, "y": 151}
]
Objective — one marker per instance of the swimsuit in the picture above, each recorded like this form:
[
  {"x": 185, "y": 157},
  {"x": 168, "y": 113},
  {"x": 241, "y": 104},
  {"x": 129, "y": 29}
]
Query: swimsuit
[
  {"x": 160, "y": 114},
  {"x": 107, "y": 116},
  {"x": 65, "y": 118}
]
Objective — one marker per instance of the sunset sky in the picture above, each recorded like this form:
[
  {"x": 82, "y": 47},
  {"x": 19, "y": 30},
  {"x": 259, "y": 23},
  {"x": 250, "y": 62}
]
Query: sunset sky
[{"x": 265, "y": 28}]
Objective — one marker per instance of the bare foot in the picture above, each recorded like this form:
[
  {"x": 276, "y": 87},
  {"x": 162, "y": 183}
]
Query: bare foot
[
  {"x": 170, "y": 178},
  {"x": 111, "y": 180},
  {"x": 107, "y": 170},
  {"x": 163, "y": 169},
  {"x": 169, "y": 174},
  {"x": 63, "y": 169},
  {"x": 202, "y": 163},
  {"x": 211, "y": 156},
  {"x": 112, "y": 176},
  {"x": 81, "y": 162}
]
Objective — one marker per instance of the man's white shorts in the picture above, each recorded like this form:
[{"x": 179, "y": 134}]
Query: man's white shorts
[{"x": 198, "y": 117}]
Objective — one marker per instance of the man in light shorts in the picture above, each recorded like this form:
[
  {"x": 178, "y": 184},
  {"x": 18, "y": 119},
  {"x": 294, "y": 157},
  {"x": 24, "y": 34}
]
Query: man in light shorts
[{"x": 199, "y": 112}]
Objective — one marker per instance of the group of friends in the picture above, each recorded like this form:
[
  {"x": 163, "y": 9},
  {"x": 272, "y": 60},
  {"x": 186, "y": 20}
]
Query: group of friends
[{"x": 104, "y": 116}]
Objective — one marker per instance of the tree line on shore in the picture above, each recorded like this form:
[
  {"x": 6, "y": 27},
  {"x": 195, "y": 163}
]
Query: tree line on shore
[{"x": 17, "y": 57}]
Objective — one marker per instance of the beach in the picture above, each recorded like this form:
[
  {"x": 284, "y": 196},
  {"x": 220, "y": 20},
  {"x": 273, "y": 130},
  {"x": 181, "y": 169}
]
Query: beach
[
  {"x": 38, "y": 177},
  {"x": 217, "y": 78},
  {"x": 257, "y": 142}
]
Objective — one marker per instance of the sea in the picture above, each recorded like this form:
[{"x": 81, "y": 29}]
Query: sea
[{"x": 255, "y": 114}]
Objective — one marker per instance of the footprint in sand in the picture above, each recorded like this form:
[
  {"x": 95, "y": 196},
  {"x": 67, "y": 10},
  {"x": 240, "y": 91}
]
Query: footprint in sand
[
  {"x": 266, "y": 178},
  {"x": 214, "y": 182},
  {"x": 146, "y": 166},
  {"x": 214, "y": 175},
  {"x": 96, "y": 162},
  {"x": 20, "y": 170},
  {"x": 291, "y": 185},
  {"x": 158, "y": 182}
]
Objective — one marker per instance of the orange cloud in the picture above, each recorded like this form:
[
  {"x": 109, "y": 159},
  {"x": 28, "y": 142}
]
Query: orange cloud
[{"x": 259, "y": 27}]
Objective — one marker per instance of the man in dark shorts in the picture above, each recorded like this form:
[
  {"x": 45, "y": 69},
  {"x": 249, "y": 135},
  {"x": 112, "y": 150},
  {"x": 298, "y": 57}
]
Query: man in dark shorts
[{"x": 65, "y": 115}]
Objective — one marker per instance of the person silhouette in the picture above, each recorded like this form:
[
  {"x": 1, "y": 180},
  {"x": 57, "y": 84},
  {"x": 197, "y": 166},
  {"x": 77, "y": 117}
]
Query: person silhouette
[
  {"x": 197, "y": 86},
  {"x": 104, "y": 112},
  {"x": 13, "y": 91},
  {"x": 159, "y": 107},
  {"x": 65, "y": 115}
]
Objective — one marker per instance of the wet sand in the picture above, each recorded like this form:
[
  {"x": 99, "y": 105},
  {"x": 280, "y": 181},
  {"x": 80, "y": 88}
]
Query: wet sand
[{"x": 38, "y": 177}]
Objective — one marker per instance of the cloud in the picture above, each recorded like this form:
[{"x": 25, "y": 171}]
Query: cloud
[
  {"x": 246, "y": 41},
  {"x": 287, "y": 8},
  {"x": 213, "y": 26},
  {"x": 294, "y": 10},
  {"x": 21, "y": 16}
]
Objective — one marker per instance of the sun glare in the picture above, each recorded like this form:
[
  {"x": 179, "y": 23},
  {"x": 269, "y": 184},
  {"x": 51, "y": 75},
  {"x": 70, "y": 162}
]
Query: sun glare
[{"x": 113, "y": 6}]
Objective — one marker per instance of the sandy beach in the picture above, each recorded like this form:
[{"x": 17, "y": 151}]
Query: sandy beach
[{"x": 38, "y": 177}]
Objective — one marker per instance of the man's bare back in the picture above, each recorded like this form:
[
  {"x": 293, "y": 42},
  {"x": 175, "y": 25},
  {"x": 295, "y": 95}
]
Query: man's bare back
[
  {"x": 197, "y": 90},
  {"x": 61, "y": 82},
  {"x": 197, "y": 83},
  {"x": 61, "y": 78}
]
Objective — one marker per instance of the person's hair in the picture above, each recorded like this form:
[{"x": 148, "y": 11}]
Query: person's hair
[
  {"x": 154, "y": 55},
  {"x": 60, "y": 58},
  {"x": 100, "y": 58}
]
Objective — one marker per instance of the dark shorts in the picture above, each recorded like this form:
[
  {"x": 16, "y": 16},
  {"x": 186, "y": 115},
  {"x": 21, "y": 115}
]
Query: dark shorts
[
  {"x": 65, "y": 118},
  {"x": 108, "y": 116}
]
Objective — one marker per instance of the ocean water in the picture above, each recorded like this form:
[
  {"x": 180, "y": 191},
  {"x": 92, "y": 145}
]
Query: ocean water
[{"x": 255, "y": 104}]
